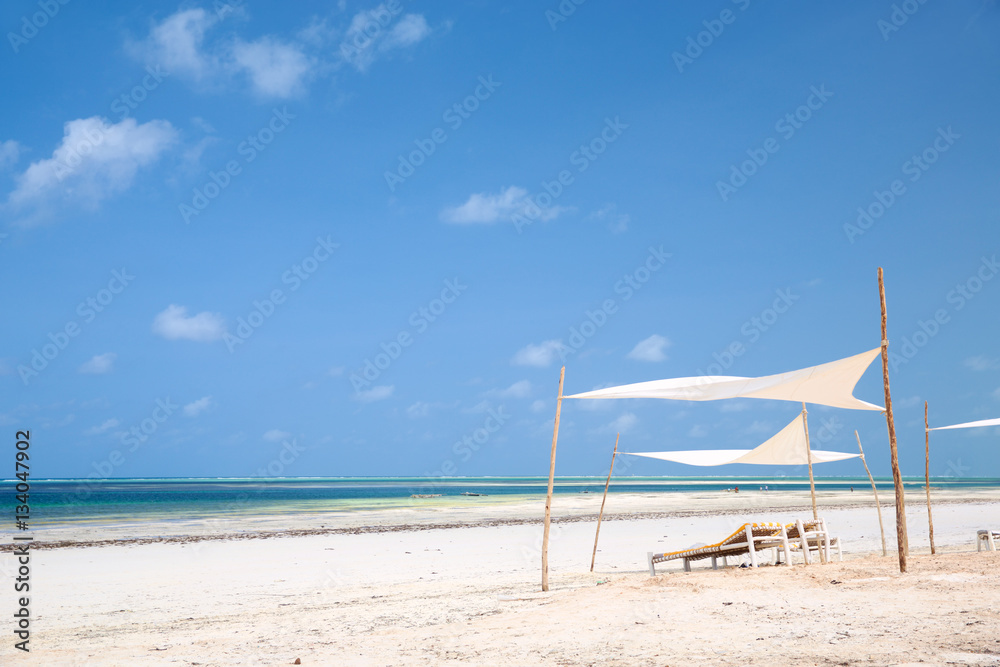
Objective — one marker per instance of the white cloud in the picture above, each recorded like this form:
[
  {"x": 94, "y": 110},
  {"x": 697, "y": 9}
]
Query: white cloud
[
  {"x": 617, "y": 222},
  {"x": 540, "y": 355},
  {"x": 174, "y": 324},
  {"x": 195, "y": 408},
  {"x": 697, "y": 431},
  {"x": 275, "y": 69},
  {"x": 409, "y": 30},
  {"x": 737, "y": 405},
  {"x": 480, "y": 407},
  {"x": 521, "y": 389},
  {"x": 94, "y": 161},
  {"x": 99, "y": 364},
  {"x": 981, "y": 363},
  {"x": 623, "y": 423},
  {"x": 486, "y": 209},
  {"x": 106, "y": 426},
  {"x": 650, "y": 349},
  {"x": 760, "y": 428},
  {"x": 176, "y": 43},
  {"x": 538, "y": 405},
  {"x": 370, "y": 35},
  {"x": 378, "y": 393},
  {"x": 318, "y": 33},
  {"x": 276, "y": 435},
  {"x": 418, "y": 409},
  {"x": 10, "y": 151},
  {"x": 336, "y": 371}
]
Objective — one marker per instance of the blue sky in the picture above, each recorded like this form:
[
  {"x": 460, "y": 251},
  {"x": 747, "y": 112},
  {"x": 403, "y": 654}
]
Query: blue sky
[{"x": 352, "y": 239}]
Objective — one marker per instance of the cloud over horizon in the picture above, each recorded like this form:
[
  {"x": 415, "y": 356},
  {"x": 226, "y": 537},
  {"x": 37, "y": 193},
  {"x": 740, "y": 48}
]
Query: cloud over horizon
[
  {"x": 650, "y": 349},
  {"x": 99, "y": 364},
  {"x": 174, "y": 324},
  {"x": 482, "y": 208}
]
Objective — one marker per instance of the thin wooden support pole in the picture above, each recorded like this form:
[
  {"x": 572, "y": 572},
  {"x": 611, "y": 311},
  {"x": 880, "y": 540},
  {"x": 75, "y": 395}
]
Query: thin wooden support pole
[
  {"x": 552, "y": 474},
  {"x": 600, "y": 514},
  {"x": 809, "y": 458},
  {"x": 927, "y": 476},
  {"x": 902, "y": 544},
  {"x": 878, "y": 507}
]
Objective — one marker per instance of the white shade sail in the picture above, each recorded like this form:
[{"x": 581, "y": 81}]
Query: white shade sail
[
  {"x": 827, "y": 384},
  {"x": 787, "y": 447},
  {"x": 982, "y": 422}
]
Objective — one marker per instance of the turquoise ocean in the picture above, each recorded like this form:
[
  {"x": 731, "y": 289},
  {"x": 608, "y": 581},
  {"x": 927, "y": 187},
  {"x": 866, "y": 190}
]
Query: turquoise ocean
[{"x": 69, "y": 501}]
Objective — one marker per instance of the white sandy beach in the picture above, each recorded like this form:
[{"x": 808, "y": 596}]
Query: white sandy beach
[{"x": 471, "y": 595}]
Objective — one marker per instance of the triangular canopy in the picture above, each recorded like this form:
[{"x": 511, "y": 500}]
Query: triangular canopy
[
  {"x": 827, "y": 384},
  {"x": 982, "y": 422},
  {"x": 787, "y": 447}
]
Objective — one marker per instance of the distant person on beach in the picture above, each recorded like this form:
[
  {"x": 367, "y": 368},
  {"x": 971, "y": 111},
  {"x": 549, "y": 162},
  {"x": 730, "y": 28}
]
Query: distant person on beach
[
  {"x": 852, "y": 489},
  {"x": 736, "y": 489}
]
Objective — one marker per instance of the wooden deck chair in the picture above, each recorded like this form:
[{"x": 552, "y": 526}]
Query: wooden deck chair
[
  {"x": 747, "y": 539},
  {"x": 987, "y": 537},
  {"x": 812, "y": 535}
]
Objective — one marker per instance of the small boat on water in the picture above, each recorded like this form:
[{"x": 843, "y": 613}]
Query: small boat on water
[
  {"x": 426, "y": 495},
  {"x": 470, "y": 493}
]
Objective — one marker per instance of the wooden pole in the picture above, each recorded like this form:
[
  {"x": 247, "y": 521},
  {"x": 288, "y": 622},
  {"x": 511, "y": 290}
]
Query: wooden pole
[
  {"x": 878, "y": 507},
  {"x": 809, "y": 458},
  {"x": 812, "y": 483},
  {"x": 927, "y": 475},
  {"x": 902, "y": 544},
  {"x": 600, "y": 514},
  {"x": 548, "y": 497}
]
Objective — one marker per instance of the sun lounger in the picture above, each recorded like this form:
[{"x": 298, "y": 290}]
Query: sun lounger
[
  {"x": 987, "y": 537},
  {"x": 747, "y": 539},
  {"x": 805, "y": 536}
]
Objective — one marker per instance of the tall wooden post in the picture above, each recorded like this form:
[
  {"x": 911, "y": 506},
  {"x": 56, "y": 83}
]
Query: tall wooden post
[
  {"x": 902, "y": 544},
  {"x": 878, "y": 507},
  {"x": 600, "y": 514},
  {"x": 809, "y": 459},
  {"x": 548, "y": 497},
  {"x": 927, "y": 475}
]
